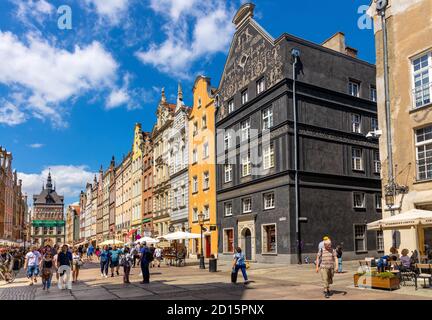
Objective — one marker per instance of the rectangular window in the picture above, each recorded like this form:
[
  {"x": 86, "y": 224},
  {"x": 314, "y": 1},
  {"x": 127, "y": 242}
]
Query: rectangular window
[
  {"x": 373, "y": 93},
  {"x": 194, "y": 156},
  {"x": 374, "y": 124},
  {"x": 206, "y": 180},
  {"x": 422, "y": 84},
  {"x": 228, "y": 209},
  {"x": 247, "y": 205},
  {"x": 360, "y": 238},
  {"x": 195, "y": 129},
  {"x": 269, "y": 200},
  {"x": 206, "y": 212},
  {"x": 353, "y": 88},
  {"x": 269, "y": 238},
  {"x": 230, "y": 106},
  {"x": 228, "y": 172},
  {"x": 246, "y": 165},
  {"x": 357, "y": 159},
  {"x": 244, "y": 97},
  {"x": 227, "y": 140},
  {"x": 267, "y": 118},
  {"x": 260, "y": 86},
  {"x": 205, "y": 150},
  {"x": 377, "y": 162},
  {"x": 245, "y": 130},
  {"x": 195, "y": 184},
  {"x": 204, "y": 122},
  {"x": 380, "y": 240},
  {"x": 269, "y": 157},
  {"x": 356, "y": 123},
  {"x": 424, "y": 153},
  {"x": 229, "y": 240},
  {"x": 378, "y": 201},
  {"x": 183, "y": 196},
  {"x": 195, "y": 214},
  {"x": 359, "y": 200}
]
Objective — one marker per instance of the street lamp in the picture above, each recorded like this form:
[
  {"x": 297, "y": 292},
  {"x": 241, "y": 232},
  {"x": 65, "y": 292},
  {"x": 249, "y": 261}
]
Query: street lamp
[{"x": 201, "y": 223}]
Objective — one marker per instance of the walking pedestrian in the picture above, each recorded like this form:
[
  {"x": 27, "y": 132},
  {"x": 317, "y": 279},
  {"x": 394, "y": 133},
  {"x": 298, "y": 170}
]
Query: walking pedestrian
[
  {"x": 158, "y": 256},
  {"x": 76, "y": 264},
  {"x": 47, "y": 269},
  {"x": 126, "y": 262},
  {"x": 114, "y": 260},
  {"x": 326, "y": 262},
  {"x": 64, "y": 264},
  {"x": 32, "y": 260},
  {"x": 239, "y": 263},
  {"x": 104, "y": 261},
  {"x": 90, "y": 251},
  {"x": 136, "y": 254},
  {"x": 146, "y": 259},
  {"x": 98, "y": 252},
  {"x": 339, "y": 256}
]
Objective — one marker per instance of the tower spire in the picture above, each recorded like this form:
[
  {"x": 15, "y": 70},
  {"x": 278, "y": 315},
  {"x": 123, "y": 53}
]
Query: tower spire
[
  {"x": 49, "y": 181},
  {"x": 163, "y": 98},
  {"x": 180, "y": 92}
]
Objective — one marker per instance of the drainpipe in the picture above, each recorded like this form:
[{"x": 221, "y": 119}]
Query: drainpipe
[{"x": 295, "y": 53}]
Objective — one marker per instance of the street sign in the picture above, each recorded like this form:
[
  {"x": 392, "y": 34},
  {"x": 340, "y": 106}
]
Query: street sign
[{"x": 212, "y": 228}]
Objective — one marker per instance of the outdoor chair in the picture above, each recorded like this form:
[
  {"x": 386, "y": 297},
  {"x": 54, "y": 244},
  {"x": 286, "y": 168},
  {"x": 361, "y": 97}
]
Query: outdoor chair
[
  {"x": 423, "y": 272},
  {"x": 407, "y": 275}
]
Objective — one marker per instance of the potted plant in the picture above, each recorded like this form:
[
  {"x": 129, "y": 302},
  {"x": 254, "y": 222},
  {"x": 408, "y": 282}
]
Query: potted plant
[{"x": 380, "y": 280}]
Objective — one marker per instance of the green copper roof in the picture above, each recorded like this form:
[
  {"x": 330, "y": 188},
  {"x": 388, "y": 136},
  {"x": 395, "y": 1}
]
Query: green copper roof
[{"x": 48, "y": 223}]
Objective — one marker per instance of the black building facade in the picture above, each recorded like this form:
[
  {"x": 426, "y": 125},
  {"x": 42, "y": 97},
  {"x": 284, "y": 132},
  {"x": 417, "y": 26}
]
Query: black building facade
[{"x": 339, "y": 181}]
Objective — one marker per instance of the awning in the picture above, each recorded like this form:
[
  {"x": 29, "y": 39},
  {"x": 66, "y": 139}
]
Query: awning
[
  {"x": 407, "y": 219},
  {"x": 180, "y": 235}
]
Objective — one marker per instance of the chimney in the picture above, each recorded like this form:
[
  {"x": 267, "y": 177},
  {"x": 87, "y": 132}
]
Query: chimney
[{"x": 337, "y": 43}]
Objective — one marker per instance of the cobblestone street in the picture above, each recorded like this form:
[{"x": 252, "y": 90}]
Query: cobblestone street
[{"x": 190, "y": 283}]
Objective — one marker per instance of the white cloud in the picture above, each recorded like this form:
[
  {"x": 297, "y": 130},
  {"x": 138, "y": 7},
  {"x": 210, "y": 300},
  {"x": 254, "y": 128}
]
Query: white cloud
[
  {"x": 69, "y": 180},
  {"x": 36, "y": 145},
  {"x": 110, "y": 11},
  {"x": 34, "y": 9},
  {"x": 212, "y": 30},
  {"x": 10, "y": 115},
  {"x": 46, "y": 76},
  {"x": 117, "y": 98}
]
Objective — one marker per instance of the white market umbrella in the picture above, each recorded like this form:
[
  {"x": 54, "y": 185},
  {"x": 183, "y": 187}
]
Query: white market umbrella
[
  {"x": 147, "y": 240},
  {"x": 180, "y": 235},
  {"x": 111, "y": 242}
]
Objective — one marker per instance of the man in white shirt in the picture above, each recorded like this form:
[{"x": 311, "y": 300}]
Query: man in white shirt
[{"x": 32, "y": 260}]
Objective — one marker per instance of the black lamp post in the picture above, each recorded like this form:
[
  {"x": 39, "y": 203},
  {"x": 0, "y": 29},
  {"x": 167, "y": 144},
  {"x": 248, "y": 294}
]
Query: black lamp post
[{"x": 201, "y": 223}]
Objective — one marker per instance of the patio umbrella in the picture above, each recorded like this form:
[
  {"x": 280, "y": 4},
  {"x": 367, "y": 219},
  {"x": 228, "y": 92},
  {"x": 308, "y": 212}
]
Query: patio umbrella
[
  {"x": 112, "y": 242},
  {"x": 180, "y": 235},
  {"x": 147, "y": 240}
]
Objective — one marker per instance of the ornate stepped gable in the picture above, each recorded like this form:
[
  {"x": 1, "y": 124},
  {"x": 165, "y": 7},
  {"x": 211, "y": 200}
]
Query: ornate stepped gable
[{"x": 253, "y": 54}]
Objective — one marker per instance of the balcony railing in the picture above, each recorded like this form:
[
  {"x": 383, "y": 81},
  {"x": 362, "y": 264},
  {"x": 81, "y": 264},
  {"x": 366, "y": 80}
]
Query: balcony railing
[{"x": 422, "y": 95}]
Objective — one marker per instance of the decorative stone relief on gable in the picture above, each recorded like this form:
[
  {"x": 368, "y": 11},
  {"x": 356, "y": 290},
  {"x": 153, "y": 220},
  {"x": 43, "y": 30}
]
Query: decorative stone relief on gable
[{"x": 252, "y": 57}]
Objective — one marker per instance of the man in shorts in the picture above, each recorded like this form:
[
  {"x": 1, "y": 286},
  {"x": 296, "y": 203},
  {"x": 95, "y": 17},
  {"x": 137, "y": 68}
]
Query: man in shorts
[{"x": 32, "y": 260}]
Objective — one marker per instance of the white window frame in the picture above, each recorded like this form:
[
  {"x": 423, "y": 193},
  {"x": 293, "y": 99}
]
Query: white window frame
[
  {"x": 351, "y": 88},
  {"x": 206, "y": 180},
  {"x": 228, "y": 205},
  {"x": 363, "y": 200},
  {"x": 364, "y": 238},
  {"x": 260, "y": 86},
  {"x": 380, "y": 240},
  {"x": 374, "y": 124},
  {"x": 378, "y": 201},
  {"x": 206, "y": 212},
  {"x": 244, "y": 97},
  {"x": 267, "y": 118},
  {"x": 194, "y": 184},
  {"x": 247, "y": 205},
  {"x": 194, "y": 156},
  {"x": 373, "y": 94},
  {"x": 356, "y": 123},
  {"x": 245, "y": 165},
  {"x": 272, "y": 201},
  {"x": 195, "y": 128},
  {"x": 268, "y": 156},
  {"x": 225, "y": 240},
  {"x": 357, "y": 160},
  {"x": 245, "y": 130},
  {"x": 264, "y": 243},
  {"x": 195, "y": 215},
  {"x": 227, "y": 140},
  {"x": 424, "y": 147},
  {"x": 228, "y": 169},
  {"x": 204, "y": 122},
  {"x": 424, "y": 90},
  {"x": 206, "y": 150},
  {"x": 377, "y": 162},
  {"x": 231, "y": 106}
]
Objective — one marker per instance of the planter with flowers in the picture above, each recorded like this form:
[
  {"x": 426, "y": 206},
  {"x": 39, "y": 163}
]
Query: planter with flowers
[{"x": 378, "y": 280}]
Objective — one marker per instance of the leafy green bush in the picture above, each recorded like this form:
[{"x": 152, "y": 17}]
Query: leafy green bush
[{"x": 386, "y": 275}]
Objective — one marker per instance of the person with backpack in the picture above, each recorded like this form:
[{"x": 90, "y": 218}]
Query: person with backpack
[
  {"x": 326, "y": 262},
  {"x": 239, "y": 264},
  {"x": 104, "y": 257},
  {"x": 146, "y": 259},
  {"x": 126, "y": 261}
]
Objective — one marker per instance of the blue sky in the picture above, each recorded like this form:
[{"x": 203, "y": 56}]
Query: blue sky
[{"x": 69, "y": 99}]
